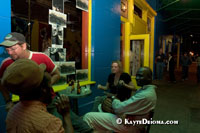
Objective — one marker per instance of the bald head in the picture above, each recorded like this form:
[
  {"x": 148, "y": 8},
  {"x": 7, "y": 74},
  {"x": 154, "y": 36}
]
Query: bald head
[{"x": 144, "y": 76}]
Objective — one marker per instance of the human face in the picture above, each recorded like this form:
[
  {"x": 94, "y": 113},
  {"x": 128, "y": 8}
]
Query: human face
[
  {"x": 140, "y": 77},
  {"x": 16, "y": 51},
  {"x": 115, "y": 68},
  {"x": 160, "y": 51},
  {"x": 143, "y": 76}
]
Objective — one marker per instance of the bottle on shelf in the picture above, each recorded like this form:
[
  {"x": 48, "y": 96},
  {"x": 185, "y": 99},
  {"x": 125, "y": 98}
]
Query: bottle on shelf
[
  {"x": 72, "y": 84},
  {"x": 78, "y": 88}
]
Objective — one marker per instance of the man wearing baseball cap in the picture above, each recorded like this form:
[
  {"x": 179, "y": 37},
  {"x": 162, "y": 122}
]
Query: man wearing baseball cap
[
  {"x": 16, "y": 46},
  {"x": 30, "y": 113}
]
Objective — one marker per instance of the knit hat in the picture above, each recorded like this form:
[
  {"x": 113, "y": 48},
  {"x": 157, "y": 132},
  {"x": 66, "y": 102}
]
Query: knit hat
[{"x": 22, "y": 76}]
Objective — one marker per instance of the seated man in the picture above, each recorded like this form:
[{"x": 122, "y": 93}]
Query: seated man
[
  {"x": 140, "y": 104},
  {"x": 27, "y": 79}
]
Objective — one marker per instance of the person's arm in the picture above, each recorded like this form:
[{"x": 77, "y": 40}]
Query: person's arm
[
  {"x": 103, "y": 87},
  {"x": 127, "y": 82},
  {"x": 127, "y": 106},
  {"x": 55, "y": 76},
  {"x": 68, "y": 124},
  {"x": 140, "y": 102},
  {"x": 7, "y": 98},
  {"x": 51, "y": 68},
  {"x": 63, "y": 108},
  {"x": 4, "y": 91},
  {"x": 130, "y": 85}
]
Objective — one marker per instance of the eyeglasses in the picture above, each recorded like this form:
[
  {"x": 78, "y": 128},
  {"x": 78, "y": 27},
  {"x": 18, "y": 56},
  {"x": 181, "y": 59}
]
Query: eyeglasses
[{"x": 13, "y": 48}]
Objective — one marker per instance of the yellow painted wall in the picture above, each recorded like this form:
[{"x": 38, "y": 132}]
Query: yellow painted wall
[
  {"x": 151, "y": 50},
  {"x": 137, "y": 26},
  {"x": 140, "y": 26}
]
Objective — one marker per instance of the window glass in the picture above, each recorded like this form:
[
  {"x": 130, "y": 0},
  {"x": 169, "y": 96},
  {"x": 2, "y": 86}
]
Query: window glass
[
  {"x": 62, "y": 27},
  {"x": 72, "y": 37},
  {"x": 136, "y": 56},
  {"x": 137, "y": 11}
]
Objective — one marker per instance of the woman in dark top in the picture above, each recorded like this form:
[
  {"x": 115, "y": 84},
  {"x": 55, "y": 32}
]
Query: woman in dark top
[{"x": 119, "y": 82}]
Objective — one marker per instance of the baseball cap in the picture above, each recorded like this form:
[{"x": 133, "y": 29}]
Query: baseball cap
[
  {"x": 12, "y": 39},
  {"x": 22, "y": 76}
]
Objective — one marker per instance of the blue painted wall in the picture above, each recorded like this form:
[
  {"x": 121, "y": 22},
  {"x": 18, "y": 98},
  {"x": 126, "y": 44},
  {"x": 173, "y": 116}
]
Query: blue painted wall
[
  {"x": 105, "y": 37},
  {"x": 105, "y": 45},
  {"x": 5, "y": 28},
  {"x": 152, "y": 3}
]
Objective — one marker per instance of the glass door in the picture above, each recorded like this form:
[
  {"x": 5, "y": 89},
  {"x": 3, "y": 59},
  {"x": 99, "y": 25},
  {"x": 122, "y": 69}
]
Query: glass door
[
  {"x": 139, "y": 52},
  {"x": 136, "y": 55}
]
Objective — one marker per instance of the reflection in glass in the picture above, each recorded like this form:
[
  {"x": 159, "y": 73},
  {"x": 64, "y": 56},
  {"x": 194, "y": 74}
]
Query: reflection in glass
[{"x": 136, "y": 56}]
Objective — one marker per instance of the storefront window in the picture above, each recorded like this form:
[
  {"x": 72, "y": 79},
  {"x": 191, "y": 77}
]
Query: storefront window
[
  {"x": 55, "y": 29},
  {"x": 72, "y": 39}
]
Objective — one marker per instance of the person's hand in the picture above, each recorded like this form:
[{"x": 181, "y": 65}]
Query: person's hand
[
  {"x": 99, "y": 86},
  {"x": 121, "y": 82},
  {"x": 110, "y": 95},
  {"x": 9, "y": 105},
  {"x": 107, "y": 105},
  {"x": 62, "y": 104}
]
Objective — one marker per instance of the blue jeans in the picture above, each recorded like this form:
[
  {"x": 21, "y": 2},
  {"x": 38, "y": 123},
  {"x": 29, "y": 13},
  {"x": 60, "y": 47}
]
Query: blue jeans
[{"x": 159, "y": 70}]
